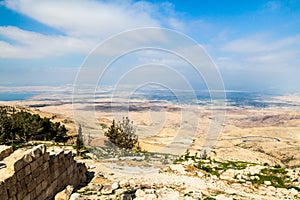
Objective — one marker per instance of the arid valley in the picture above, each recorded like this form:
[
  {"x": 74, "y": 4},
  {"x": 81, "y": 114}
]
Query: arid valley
[{"x": 267, "y": 136}]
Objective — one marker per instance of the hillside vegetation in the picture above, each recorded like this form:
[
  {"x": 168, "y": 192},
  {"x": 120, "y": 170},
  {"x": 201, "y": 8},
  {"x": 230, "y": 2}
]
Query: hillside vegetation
[{"x": 18, "y": 126}]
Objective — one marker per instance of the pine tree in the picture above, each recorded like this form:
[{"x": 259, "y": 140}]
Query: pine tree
[
  {"x": 123, "y": 134},
  {"x": 79, "y": 141}
]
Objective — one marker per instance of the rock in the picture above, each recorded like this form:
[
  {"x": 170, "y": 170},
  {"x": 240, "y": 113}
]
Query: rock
[
  {"x": 293, "y": 191},
  {"x": 197, "y": 194},
  {"x": 248, "y": 182},
  {"x": 255, "y": 169},
  {"x": 107, "y": 189},
  {"x": 222, "y": 197},
  {"x": 140, "y": 193},
  {"x": 178, "y": 168},
  {"x": 5, "y": 151},
  {"x": 65, "y": 194},
  {"x": 267, "y": 183},
  {"x": 74, "y": 196},
  {"x": 123, "y": 183},
  {"x": 127, "y": 197},
  {"x": 91, "y": 167},
  {"x": 200, "y": 174},
  {"x": 115, "y": 185},
  {"x": 270, "y": 191},
  {"x": 95, "y": 187},
  {"x": 225, "y": 177},
  {"x": 132, "y": 183},
  {"x": 228, "y": 174},
  {"x": 149, "y": 191},
  {"x": 239, "y": 176},
  {"x": 188, "y": 162},
  {"x": 169, "y": 194}
]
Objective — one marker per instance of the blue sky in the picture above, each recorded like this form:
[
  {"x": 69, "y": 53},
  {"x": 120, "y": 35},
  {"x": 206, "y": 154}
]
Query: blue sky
[{"x": 255, "y": 44}]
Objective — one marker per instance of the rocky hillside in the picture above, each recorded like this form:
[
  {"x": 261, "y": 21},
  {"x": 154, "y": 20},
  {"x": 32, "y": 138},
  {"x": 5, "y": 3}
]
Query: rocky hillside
[{"x": 189, "y": 177}]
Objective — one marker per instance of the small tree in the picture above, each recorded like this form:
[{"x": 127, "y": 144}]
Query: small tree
[
  {"x": 122, "y": 134},
  {"x": 79, "y": 141}
]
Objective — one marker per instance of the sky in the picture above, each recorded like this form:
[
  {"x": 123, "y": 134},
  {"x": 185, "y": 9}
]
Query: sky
[{"x": 255, "y": 44}]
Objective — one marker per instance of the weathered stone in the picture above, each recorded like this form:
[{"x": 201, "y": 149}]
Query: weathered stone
[
  {"x": 5, "y": 151},
  {"x": 140, "y": 193},
  {"x": 178, "y": 168},
  {"x": 64, "y": 194},
  {"x": 74, "y": 196},
  {"x": 94, "y": 187},
  {"x": 165, "y": 193},
  {"x": 37, "y": 151},
  {"x": 267, "y": 183},
  {"x": 27, "y": 197},
  {"x": 124, "y": 183},
  {"x": 200, "y": 174},
  {"x": 19, "y": 164},
  {"x": 132, "y": 183},
  {"x": 293, "y": 191},
  {"x": 31, "y": 174},
  {"x": 91, "y": 167},
  {"x": 222, "y": 197},
  {"x": 115, "y": 185},
  {"x": 239, "y": 176},
  {"x": 107, "y": 189}
]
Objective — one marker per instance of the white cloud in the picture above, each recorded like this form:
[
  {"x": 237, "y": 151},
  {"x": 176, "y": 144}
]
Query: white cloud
[
  {"x": 87, "y": 18},
  {"x": 84, "y": 24},
  {"x": 260, "y": 52},
  {"x": 272, "y": 6},
  {"x": 260, "y": 44},
  {"x": 27, "y": 44}
]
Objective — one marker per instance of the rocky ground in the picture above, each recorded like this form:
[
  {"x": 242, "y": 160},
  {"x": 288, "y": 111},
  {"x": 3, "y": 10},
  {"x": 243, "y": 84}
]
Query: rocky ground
[
  {"x": 189, "y": 177},
  {"x": 256, "y": 156}
]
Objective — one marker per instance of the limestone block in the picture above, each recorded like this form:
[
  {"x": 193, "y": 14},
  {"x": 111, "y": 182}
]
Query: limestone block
[
  {"x": 39, "y": 161},
  {"x": 36, "y": 172},
  {"x": 44, "y": 184},
  {"x": 33, "y": 166},
  {"x": 41, "y": 177},
  {"x": 38, "y": 151},
  {"x": 32, "y": 184},
  {"x": 20, "y": 175},
  {"x": 65, "y": 194},
  {"x": 38, "y": 189},
  {"x": 27, "y": 170},
  {"x": 28, "y": 157},
  {"x": 28, "y": 179},
  {"x": 46, "y": 157},
  {"x": 5, "y": 151},
  {"x": 27, "y": 197},
  {"x": 12, "y": 190},
  {"x": 4, "y": 194},
  {"x": 19, "y": 164},
  {"x": 32, "y": 194},
  {"x": 10, "y": 181}
]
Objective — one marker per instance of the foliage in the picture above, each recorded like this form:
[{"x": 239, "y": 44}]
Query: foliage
[
  {"x": 276, "y": 175},
  {"x": 79, "y": 141},
  {"x": 122, "y": 134},
  {"x": 18, "y": 126}
]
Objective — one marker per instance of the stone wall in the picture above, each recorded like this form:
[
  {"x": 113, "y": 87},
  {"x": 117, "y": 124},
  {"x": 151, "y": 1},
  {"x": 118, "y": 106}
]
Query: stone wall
[
  {"x": 39, "y": 174},
  {"x": 5, "y": 151}
]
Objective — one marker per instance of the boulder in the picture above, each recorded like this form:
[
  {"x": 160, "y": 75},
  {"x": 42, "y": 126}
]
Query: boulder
[{"x": 64, "y": 194}]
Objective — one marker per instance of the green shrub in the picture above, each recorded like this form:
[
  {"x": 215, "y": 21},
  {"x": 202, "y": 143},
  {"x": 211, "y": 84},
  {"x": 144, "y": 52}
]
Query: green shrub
[
  {"x": 122, "y": 134},
  {"x": 21, "y": 126}
]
